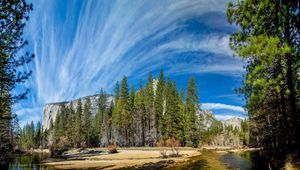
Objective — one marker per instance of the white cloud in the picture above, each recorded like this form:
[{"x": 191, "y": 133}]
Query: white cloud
[
  {"x": 219, "y": 106},
  {"x": 211, "y": 43}
]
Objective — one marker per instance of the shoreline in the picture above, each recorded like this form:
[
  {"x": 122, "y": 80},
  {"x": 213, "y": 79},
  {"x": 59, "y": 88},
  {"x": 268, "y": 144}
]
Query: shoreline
[
  {"x": 125, "y": 158},
  {"x": 133, "y": 158},
  {"x": 225, "y": 149}
]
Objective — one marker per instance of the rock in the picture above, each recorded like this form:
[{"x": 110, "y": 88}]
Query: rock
[
  {"x": 51, "y": 110},
  {"x": 207, "y": 116},
  {"x": 235, "y": 122}
]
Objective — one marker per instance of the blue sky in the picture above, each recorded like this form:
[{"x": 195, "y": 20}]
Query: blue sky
[{"x": 81, "y": 46}]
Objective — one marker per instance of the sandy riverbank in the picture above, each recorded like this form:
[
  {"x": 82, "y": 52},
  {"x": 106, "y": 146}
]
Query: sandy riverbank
[
  {"x": 124, "y": 159},
  {"x": 224, "y": 149}
]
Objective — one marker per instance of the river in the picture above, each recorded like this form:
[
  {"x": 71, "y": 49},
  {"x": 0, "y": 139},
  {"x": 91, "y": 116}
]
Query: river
[
  {"x": 27, "y": 162},
  {"x": 243, "y": 161}
]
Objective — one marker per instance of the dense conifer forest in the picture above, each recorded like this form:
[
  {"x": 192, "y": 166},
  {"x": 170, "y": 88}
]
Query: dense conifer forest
[{"x": 147, "y": 116}]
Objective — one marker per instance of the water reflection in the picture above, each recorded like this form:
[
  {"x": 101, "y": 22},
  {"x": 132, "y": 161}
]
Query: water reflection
[
  {"x": 245, "y": 160},
  {"x": 25, "y": 162}
]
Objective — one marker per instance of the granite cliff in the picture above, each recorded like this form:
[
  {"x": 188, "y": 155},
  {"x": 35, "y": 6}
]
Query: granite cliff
[{"x": 51, "y": 110}]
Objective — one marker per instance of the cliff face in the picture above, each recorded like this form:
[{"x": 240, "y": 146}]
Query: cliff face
[
  {"x": 207, "y": 117},
  {"x": 235, "y": 122},
  {"x": 51, "y": 110}
]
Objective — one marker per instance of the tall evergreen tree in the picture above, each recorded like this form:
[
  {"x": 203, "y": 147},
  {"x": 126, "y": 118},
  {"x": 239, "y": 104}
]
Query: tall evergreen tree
[
  {"x": 139, "y": 117},
  {"x": 124, "y": 104},
  {"x": 159, "y": 105},
  {"x": 71, "y": 124},
  {"x": 87, "y": 122},
  {"x": 131, "y": 110},
  {"x": 150, "y": 112},
  {"x": 192, "y": 102},
  {"x": 119, "y": 114},
  {"x": 173, "y": 116},
  {"x": 78, "y": 124},
  {"x": 13, "y": 17},
  {"x": 31, "y": 134},
  {"x": 99, "y": 117},
  {"x": 58, "y": 127},
  {"x": 117, "y": 91},
  {"x": 102, "y": 104},
  {"x": 107, "y": 126},
  {"x": 38, "y": 135}
]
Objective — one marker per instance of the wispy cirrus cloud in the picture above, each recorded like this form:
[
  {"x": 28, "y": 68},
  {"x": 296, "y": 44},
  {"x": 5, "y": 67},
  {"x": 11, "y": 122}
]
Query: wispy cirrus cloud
[{"x": 81, "y": 46}]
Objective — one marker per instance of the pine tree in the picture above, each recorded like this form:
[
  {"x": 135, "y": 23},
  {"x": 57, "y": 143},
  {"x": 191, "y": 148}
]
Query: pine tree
[
  {"x": 124, "y": 90},
  {"x": 150, "y": 112},
  {"x": 126, "y": 119},
  {"x": 63, "y": 120},
  {"x": 159, "y": 105},
  {"x": 38, "y": 134},
  {"x": 14, "y": 15},
  {"x": 119, "y": 114},
  {"x": 131, "y": 110},
  {"x": 57, "y": 128},
  {"x": 117, "y": 91},
  {"x": 139, "y": 117},
  {"x": 86, "y": 125},
  {"x": 99, "y": 122},
  {"x": 181, "y": 117},
  {"x": 171, "y": 109},
  {"x": 69, "y": 124},
  {"x": 192, "y": 102},
  {"x": 178, "y": 118},
  {"x": 78, "y": 124},
  {"x": 31, "y": 135},
  {"x": 107, "y": 126},
  {"x": 70, "y": 129}
]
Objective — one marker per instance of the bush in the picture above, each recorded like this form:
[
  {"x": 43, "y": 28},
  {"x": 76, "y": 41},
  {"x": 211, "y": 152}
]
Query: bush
[
  {"x": 174, "y": 144},
  {"x": 63, "y": 142},
  {"x": 112, "y": 148},
  {"x": 162, "y": 150}
]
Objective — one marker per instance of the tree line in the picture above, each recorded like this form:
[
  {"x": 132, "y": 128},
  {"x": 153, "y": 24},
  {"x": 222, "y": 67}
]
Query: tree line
[
  {"x": 142, "y": 117},
  {"x": 219, "y": 134}
]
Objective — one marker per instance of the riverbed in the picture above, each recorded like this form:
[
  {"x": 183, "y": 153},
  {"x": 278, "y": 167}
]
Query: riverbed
[{"x": 206, "y": 160}]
